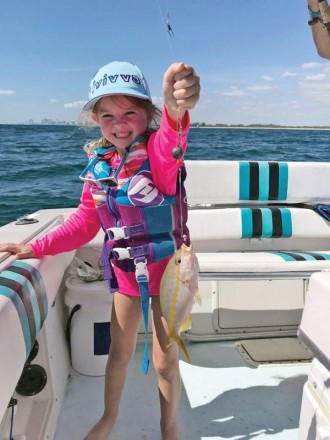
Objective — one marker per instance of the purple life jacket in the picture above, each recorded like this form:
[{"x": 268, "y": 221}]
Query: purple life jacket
[
  {"x": 138, "y": 219},
  {"x": 141, "y": 221}
]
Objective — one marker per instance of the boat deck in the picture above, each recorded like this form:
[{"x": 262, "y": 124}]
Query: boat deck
[{"x": 222, "y": 398}]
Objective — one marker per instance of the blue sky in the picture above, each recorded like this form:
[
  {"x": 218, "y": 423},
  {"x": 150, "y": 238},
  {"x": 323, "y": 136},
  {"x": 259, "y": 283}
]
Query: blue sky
[{"x": 256, "y": 58}]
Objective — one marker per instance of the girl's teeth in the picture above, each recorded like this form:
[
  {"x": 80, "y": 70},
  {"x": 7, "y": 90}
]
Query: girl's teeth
[{"x": 122, "y": 135}]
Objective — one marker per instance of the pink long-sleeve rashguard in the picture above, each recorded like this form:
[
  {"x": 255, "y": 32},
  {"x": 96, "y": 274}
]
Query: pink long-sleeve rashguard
[{"x": 83, "y": 225}]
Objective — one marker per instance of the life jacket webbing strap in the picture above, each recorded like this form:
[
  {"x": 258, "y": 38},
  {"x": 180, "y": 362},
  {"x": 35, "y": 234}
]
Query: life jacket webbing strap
[
  {"x": 125, "y": 232},
  {"x": 131, "y": 252},
  {"x": 142, "y": 277}
]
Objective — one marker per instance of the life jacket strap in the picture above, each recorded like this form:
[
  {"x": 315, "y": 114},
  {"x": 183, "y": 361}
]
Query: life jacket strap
[
  {"x": 125, "y": 232},
  {"x": 131, "y": 252},
  {"x": 142, "y": 277}
]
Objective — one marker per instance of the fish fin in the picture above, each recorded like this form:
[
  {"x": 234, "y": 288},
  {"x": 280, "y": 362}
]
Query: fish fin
[
  {"x": 198, "y": 297},
  {"x": 186, "y": 325},
  {"x": 179, "y": 341},
  {"x": 170, "y": 341}
]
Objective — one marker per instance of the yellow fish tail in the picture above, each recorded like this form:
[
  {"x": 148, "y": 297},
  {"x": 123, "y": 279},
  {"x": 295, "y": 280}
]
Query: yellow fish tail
[{"x": 175, "y": 338}]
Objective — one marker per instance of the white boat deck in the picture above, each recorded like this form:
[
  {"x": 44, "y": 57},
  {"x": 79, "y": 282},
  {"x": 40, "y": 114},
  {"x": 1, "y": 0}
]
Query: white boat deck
[{"x": 222, "y": 398}]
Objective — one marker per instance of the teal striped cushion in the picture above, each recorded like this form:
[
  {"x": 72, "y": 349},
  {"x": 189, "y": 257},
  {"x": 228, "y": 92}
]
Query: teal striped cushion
[
  {"x": 302, "y": 256},
  {"x": 270, "y": 222},
  {"x": 23, "y": 285},
  {"x": 263, "y": 180}
]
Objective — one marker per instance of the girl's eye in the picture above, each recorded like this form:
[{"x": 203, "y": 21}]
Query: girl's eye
[
  {"x": 130, "y": 113},
  {"x": 106, "y": 116}
]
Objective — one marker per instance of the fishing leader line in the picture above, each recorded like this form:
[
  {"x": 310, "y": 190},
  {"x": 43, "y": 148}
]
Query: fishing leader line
[
  {"x": 167, "y": 25},
  {"x": 177, "y": 151}
]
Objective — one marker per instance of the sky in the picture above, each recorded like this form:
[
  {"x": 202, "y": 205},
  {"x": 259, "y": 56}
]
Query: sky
[{"x": 256, "y": 59}]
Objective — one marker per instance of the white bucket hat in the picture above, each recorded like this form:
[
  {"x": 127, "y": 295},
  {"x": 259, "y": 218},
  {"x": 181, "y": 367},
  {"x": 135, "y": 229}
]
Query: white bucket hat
[{"x": 117, "y": 78}]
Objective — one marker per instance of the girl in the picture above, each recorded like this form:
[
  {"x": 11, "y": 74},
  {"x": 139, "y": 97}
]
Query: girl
[{"x": 131, "y": 189}]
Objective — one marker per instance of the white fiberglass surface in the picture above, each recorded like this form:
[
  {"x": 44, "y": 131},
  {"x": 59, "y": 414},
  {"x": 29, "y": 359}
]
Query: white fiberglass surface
[{"x": 222, "y": 398}]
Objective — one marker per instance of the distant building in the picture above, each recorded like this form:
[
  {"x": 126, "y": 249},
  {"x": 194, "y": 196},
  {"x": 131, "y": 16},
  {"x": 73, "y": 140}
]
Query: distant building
[{"x": 47, "y": 121}]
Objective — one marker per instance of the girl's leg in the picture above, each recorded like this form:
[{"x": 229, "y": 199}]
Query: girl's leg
[
  {"x": 125, "y": 320},
  {"x": 166, "y": 363}
]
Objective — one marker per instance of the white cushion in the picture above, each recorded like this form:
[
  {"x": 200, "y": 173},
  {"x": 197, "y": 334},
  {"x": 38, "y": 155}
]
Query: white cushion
[
  {"x": 226, "y": 223},
  {"x": 265, "y": 262},
  {"x": 217, "y": 182}
]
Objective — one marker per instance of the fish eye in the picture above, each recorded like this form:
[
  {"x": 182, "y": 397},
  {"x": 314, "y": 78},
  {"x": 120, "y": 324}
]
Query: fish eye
[{"x": 177, "y": 261}]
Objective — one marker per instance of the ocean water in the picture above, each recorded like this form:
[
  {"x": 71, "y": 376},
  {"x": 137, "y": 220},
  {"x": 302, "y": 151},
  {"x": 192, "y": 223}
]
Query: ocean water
[{"x": 40, "y": 165}]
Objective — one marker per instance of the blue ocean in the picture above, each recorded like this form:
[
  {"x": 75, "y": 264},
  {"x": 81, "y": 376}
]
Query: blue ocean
[{"x": 40, "y": 164}]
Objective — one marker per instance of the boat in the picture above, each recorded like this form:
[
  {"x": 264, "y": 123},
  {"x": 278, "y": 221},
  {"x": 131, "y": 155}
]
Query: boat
[{"x": 260, "y": 241}]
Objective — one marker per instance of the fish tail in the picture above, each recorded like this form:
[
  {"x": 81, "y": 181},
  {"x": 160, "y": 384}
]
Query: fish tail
[{"x": 179, "y": 341}]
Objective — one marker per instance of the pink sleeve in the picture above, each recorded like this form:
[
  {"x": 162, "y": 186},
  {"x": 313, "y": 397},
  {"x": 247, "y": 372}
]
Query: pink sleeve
[
  {"x": 164, "y": 167},
  {"x": 81, "y": 227}
]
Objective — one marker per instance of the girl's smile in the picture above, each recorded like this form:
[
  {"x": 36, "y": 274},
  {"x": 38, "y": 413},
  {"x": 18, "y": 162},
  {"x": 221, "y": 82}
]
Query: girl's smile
[{"x": 120, "y": 120}]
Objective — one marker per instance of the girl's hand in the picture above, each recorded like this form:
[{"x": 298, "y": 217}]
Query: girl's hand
[
  {"x": 181, "y": 88},
  {"x": 20, "y": 250}
]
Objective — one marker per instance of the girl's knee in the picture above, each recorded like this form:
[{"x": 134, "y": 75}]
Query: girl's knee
[
  {"x": 166, "y": 365},
  {"x": 121, "y": 356}
]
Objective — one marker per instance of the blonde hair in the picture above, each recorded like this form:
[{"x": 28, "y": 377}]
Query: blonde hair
[{"x": 153, "y": 115}]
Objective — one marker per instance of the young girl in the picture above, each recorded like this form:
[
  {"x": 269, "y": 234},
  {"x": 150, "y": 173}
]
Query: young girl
[{"x": 133, "y": 191}]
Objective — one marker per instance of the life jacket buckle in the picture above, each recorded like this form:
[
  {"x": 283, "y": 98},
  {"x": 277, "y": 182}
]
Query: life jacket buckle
[
  {"x": 121, "y": 253},
  {"x": 141, "y": 269},
  {"x": 116, "y": 233}
]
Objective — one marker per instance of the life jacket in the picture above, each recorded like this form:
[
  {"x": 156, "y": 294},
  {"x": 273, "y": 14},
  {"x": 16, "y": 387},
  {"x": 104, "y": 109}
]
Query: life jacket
[
  {"x": 141, "y": 221},
  {"x": 142, "y": 224}
]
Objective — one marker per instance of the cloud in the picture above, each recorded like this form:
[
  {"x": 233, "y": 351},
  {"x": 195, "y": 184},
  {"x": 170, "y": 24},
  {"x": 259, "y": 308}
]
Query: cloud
[
  {"x": 75, "y": 104},
  {"x": 311, "y": 65},
  {"x": 252, "y": 105},
  {"x": 157, "y": 100},
  {"x": 314, "y": 86},
  {"x": 53, "y": 101},
  {"x": 260, "y": 88},
  {"x": 234, "y": 91},
  {"x": 319, "y": 77},
  {"x": 316, "y": 90},
  {"x": 288, "y": 74},
  {"x": 267, "y": 78},
  {"x": 7, "y": 92}
]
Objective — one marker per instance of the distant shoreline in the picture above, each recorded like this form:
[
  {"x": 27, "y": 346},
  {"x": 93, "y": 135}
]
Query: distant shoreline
[{"x": 258, "y": 127}]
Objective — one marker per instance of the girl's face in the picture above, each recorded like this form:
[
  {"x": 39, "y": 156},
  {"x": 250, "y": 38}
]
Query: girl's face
[{"x": 120, "y": 120}]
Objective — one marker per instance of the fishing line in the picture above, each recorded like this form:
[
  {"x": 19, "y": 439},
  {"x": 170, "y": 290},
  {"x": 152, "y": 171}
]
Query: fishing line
[
  {"x": 177, "y": 152},
  {"x": 167, "y": 26}
]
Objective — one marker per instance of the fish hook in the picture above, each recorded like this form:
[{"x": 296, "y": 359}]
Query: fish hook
[{"x": 168, "y": 25}]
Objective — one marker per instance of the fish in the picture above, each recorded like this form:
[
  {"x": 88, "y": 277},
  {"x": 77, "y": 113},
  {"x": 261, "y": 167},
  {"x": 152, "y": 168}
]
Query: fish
[{"x": 178, "y": 293}]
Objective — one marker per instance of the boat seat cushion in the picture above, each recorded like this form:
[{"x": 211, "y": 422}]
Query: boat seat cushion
[
  {"x": 248, "y": 216},
  {"x": 232, "y": 182},
  {"x": 263, "y": 262},
  {"x": 256, "y": 222},
  {"x": 22, "y": 284}
]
